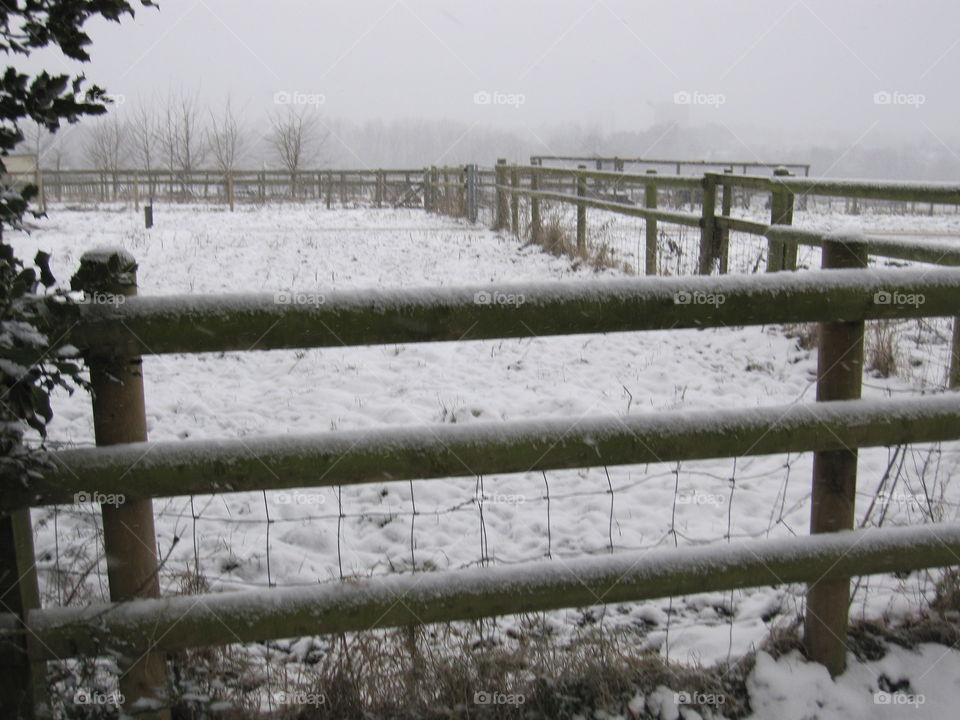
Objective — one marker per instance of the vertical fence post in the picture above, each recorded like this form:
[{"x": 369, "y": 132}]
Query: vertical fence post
[
  {"x": 230, "y": 189},
  {"x": 343, "y": 189},
  {"x": 515, "y": 201},
  {"x": 472, "y": 193},
  {"x": 329, "y": 195},
  {"x": 650, "y": 202},
  {"x": 500, "y": 179},
  {"x": 22, "y": 682},
  {"x": 726, "y": 206},
  {"x": 708, "y": 224},
  {"x": 581, "y": 213},
  {"x": 378, "y": 188},
  {"x": 839, "y": 377},
  {"x": 119, "y": 417},
  {"x": 954, "y": 379},
  {"x": 781, "y": 256},
  {"x": 426, "y": 190},
  {"x": 136, "y": 191},
  {"x": 535, "y": 221},
  {"x": 436, "y": 192}
]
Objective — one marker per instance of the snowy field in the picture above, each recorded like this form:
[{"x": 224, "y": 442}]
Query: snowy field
[{"x": 253, "y": 540}]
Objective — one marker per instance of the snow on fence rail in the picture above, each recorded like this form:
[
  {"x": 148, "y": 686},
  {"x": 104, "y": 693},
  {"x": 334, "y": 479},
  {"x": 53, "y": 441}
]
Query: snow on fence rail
[
  {"x": 113, "y": 337},
  {"x": 224, "y": 618}
]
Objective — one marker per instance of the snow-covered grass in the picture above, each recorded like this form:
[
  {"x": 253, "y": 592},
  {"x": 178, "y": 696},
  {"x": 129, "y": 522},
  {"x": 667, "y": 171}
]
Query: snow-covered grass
[{"x": 247, "y": 540}]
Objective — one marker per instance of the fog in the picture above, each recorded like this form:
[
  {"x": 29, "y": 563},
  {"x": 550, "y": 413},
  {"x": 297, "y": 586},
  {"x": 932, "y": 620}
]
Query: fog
[{"x": 856, "y": 88}]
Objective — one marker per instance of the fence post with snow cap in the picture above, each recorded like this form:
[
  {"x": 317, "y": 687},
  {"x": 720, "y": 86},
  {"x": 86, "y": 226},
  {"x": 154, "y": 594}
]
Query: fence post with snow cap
[
  {"x": 839, "y": 377},
  {"x": 107, "y": 277},
  {"x": 781, "y": 256}
]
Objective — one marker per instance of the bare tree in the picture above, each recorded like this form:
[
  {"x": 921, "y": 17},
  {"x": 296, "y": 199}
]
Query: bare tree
[
  {"x": 228, "y": 138},
  {"x": 145, "y": 136},
  {"x": 295, "y": 139},
  {"x": 106, "y": 147},
  {"x": 183, "y": 138}
]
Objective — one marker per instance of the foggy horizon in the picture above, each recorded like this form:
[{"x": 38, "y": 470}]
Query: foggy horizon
[{"x": 801, "y": 81}]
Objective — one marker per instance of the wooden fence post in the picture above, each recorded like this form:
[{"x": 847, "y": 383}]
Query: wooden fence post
[
  {"x": 726, "y": 206},
  {"x": 650, "y": 202},
  {"x": 500, "y": 179},
  {"x": 119, "y": 417},
  {"x": 472, "y": 193},
  {"x": 426, "y": 190},
  {"x": 781, "y": 256},
  {"x": 581, "y": 214},
  {"x": 343, "y": 189},
  {"x": 708, "y": 225},
  {"x": 536, "y": 222},
  {"x": 839, "y": 377},
  {"x": 954, "y": 379},
  {"x": 515, "y": 201},
  {"x": 230, "y": 189},
  {"x": 23, "y": 692},
  {"x": 329, "y": 190}
]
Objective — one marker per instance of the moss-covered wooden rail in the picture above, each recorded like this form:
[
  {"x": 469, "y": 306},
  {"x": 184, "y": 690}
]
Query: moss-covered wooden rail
[
  {"x": 136, "y": 629},
  {"x": 223, "y": 618}
]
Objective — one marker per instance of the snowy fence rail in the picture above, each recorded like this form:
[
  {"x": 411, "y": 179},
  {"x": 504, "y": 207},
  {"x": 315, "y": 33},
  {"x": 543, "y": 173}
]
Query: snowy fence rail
[{"x": 114, "y": 336}]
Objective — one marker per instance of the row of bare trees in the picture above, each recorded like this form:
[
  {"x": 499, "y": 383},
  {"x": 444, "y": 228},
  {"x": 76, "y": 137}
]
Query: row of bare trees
[{"x": 181, "y": 135}]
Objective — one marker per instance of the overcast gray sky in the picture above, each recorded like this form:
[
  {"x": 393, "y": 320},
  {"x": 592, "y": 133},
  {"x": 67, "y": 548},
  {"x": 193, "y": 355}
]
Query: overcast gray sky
[{"x": 807, "y": 68}]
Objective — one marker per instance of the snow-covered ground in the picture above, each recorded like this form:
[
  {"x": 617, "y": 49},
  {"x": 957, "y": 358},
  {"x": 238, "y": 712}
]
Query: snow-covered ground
[{"x": 250, "y": 540}]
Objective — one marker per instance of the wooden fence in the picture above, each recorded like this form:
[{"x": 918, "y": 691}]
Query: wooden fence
[
  {"x": 137, "y": 630},
  {"x": 113, "y": 336}
]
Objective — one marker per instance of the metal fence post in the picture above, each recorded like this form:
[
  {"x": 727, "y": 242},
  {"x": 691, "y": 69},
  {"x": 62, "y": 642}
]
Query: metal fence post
[
  {"x": 650, "y": 202},
  {"x": 119, "y": 417},
  {"x": 839, "y": 377}
]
